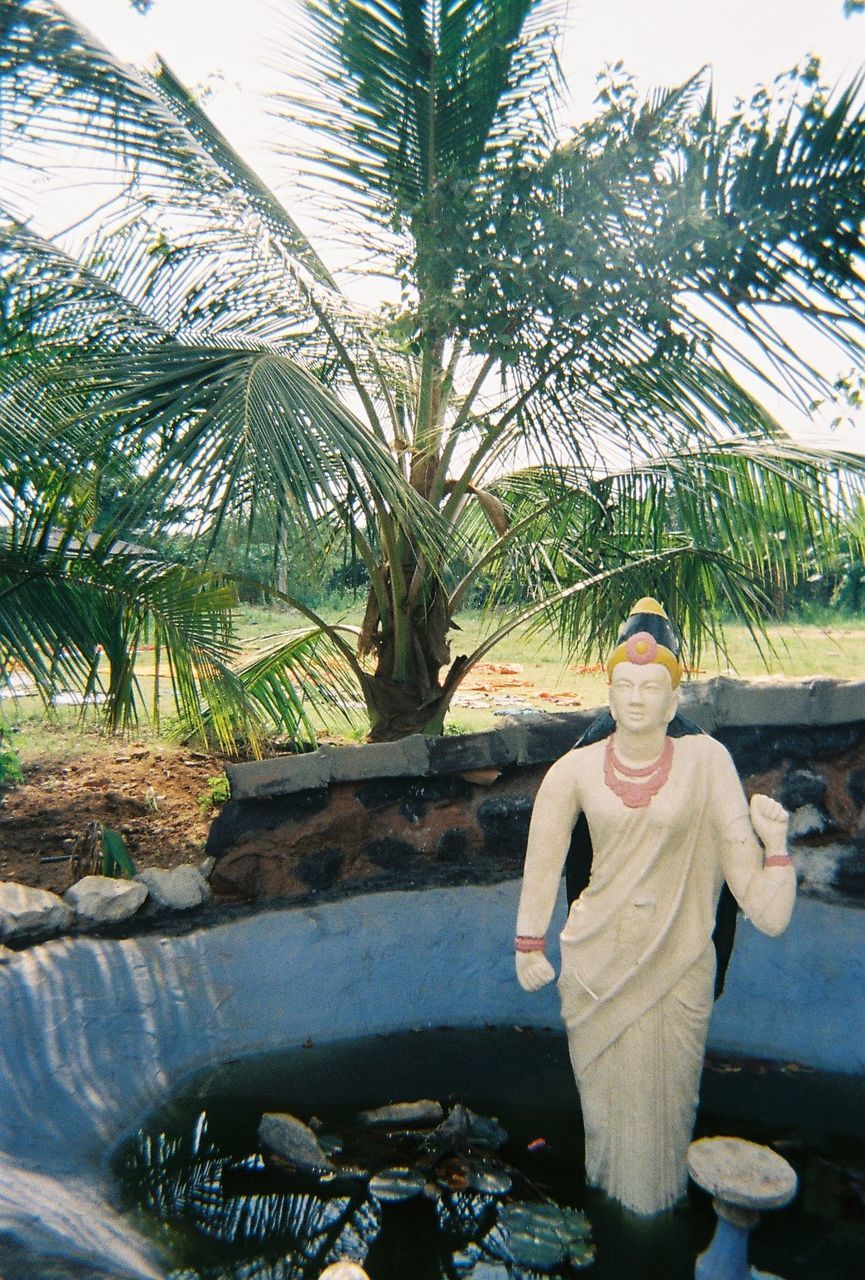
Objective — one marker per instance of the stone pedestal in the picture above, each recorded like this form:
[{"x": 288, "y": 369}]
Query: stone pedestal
[{"x": 743, "y": 1180}]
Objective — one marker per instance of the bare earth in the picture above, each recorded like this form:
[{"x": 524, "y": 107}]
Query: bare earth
[{"x": 146, "y": 791}]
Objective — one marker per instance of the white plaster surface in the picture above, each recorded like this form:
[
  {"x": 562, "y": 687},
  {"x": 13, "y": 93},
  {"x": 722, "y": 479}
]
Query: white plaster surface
[
  {"x": 96, "y": 1032},
  {"x": 742, "y": 1173}
]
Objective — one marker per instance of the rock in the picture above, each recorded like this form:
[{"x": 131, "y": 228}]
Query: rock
[
  {"x": 403, "y": 1114},
  {"x": 807, "y": 821},
  {"x": 390, "y": 853},
  {"x": 504, "y": 821},
  {"x": 489, "y": 1182},
  {"x": 453, "y": 845},
  {"x": 27, "y": 914},
  {"x": 321, "y": 868},
  {"x": 206, "y": 866},
  {"x": 463, "y": 1128},
  {"x": 104, "y": 900},
  {"x": 856, "y": 786},
  {"x": 290, "y": 1138},
  {"x": 330, "y": 1144},
  {"x": 803, "y": 787},
  {"x": 6, "y": 954},
  {"x": 179, "y": 889},
  {"x": 819, "y": 868}
]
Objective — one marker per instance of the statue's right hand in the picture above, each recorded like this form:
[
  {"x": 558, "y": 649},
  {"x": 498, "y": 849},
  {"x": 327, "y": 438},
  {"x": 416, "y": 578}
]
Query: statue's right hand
[{"x": 533, "y": 970}]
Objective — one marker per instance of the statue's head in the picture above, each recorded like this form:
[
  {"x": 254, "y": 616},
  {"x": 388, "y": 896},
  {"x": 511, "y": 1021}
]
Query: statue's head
[{"x": 644, "y": 670}]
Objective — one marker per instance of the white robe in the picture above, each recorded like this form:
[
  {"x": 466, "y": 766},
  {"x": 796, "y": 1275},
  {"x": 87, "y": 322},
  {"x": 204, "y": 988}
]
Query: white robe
[{"x": 637, "y": 955}]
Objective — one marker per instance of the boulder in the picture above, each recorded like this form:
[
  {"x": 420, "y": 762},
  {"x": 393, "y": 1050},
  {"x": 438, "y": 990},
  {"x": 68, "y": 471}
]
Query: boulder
[
  {"x": 404, "y": 1114},
  {"x": 179, "y": 889},
  {"x": 27, "y": 914},
  {"x": 104, "y": 900},
  {"x": 290, "y": 1138},
  {"x": 809, "y": 820}
]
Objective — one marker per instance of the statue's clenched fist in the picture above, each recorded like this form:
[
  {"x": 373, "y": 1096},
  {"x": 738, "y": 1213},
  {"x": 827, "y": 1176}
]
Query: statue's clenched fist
[
  {"x": 769, "y": 819},
  {"x": 533, "y": 970}
]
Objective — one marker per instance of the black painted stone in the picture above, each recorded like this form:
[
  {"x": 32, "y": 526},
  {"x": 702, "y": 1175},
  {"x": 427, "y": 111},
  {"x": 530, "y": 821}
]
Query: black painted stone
[
  {"x": 383, "y": 792},
  {"x": 390, "y": 853},
  {"x": 849, "y": 876},
  {"x": 504, "y": 821},
  {"x": 433, "y": 791},
  {"x": 452, "y": 845},
  {"x": 321, "y": 869},
  {"x": 547, "y": 738},
  {"x": 413, "y": 796},
  {"x": 755, "y": 750},
  {"x": 240, "y": 819},
  {"x": 856, "y": 786},
  {"x": 801, "y": 787},
  {"x": 453, "y": 754}
]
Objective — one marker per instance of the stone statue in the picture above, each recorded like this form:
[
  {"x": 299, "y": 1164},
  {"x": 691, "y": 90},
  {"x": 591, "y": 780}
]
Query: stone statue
[{"x": 669, "y": 824}]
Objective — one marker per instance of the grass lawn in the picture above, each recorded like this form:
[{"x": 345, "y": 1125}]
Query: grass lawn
[
  {"x": 524, "y": 671},
  {"x": 158, "y": 792},
  {"x": 547, "y": 678}
]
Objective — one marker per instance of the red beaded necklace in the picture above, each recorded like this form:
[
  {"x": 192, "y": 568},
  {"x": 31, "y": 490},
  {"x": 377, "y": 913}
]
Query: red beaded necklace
[{"x": 636, "y": 786}]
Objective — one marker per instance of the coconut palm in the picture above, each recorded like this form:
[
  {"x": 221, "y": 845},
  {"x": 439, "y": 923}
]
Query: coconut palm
[{"x": 567, "y": 400}]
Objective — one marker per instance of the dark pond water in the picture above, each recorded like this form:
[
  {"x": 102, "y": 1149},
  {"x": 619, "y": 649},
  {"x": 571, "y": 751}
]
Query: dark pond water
[{"x": 196, "y": 1181}]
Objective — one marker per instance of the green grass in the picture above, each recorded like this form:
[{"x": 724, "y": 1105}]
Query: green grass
[
  {"x": 793, "y": 649},
  {"x": 828, "y": 648}
]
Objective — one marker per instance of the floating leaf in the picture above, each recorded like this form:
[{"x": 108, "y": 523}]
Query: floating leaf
[
  {"x": 393, "y": 1185},
  {"x": 543, "y": 1236},
  {"x": 489, "y": 1182}
]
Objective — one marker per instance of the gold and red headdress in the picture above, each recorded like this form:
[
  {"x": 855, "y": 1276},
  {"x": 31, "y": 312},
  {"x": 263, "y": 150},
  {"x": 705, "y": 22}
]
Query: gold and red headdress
[{"x": 647, "y": 636}]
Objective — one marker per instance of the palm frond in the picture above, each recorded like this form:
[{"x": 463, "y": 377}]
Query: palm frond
[
  {"x": 68, "y": 602},
  {"x": 419, "y": 97},
  {"x": 241, "y": 176},
  {"x": 229, "y": 422},
  {"x": 750, "y": 518},
  {"x": 288, "y": 683}
]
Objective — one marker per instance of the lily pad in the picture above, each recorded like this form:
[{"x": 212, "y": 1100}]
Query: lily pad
[
  {"x": 543, "y": 1236},
  {"x": 489, "y": 1182},
  {"x": 393, "y": 1185}
]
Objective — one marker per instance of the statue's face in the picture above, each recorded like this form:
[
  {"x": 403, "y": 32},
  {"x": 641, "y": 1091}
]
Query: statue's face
[{"x": 642, "y": 698}]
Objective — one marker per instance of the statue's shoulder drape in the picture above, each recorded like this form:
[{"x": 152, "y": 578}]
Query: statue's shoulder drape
[{"x": 578, "y": 867}]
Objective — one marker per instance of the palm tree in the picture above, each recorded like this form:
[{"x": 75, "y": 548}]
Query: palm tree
[{"x": 566, "y": 401}]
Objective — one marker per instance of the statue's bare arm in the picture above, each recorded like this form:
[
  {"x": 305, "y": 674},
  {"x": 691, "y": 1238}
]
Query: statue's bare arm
[
  {"x": 762, "y": 881},
  {"x": 555, "y": 811}
]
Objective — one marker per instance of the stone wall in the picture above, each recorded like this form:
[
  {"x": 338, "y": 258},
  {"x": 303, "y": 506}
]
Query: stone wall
[{"x": 455, "y": 810}]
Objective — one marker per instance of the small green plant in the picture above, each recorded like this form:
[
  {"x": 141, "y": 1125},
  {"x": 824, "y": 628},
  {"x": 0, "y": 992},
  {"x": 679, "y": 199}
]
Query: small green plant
[
  {"x": 218, "y": 791},
  {"x": 116, "y": 861},
  {"x": 11, "y": 772}
]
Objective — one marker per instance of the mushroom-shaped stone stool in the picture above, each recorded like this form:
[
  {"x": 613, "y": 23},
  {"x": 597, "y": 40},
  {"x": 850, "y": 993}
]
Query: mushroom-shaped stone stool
[
  {"x": 743, "y": 1179},
  {"x": 343, "y": 1270}
]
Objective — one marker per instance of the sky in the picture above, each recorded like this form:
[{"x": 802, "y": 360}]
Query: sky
[{"x": 221, "y": 45}]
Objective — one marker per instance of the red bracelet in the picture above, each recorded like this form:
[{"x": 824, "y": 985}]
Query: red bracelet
[
  {"x": 523, "y": 942},
  {"x": 778, "y": 860}
]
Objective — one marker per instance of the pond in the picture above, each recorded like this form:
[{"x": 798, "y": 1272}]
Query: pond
[{"x": 195, "y": 1179}]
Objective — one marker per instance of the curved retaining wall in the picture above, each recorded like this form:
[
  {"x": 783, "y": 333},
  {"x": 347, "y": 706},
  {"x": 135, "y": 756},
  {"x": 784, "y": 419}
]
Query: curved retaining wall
[{"x": 99, "y": 1031}]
